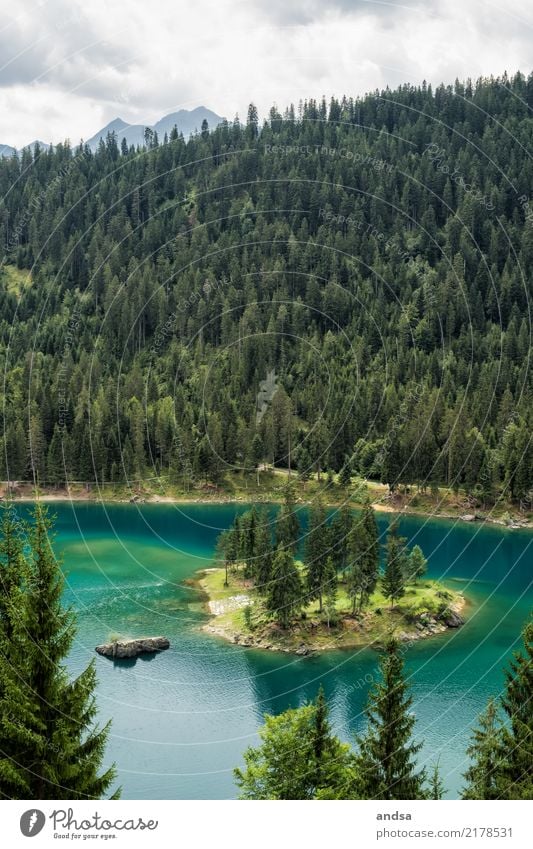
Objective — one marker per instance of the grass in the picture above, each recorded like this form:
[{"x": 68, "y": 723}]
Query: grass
[{"x": 423, "y": 602}]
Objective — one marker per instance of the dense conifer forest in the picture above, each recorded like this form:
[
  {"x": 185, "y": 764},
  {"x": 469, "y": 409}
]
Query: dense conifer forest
[{"x": 375, "y": 253}]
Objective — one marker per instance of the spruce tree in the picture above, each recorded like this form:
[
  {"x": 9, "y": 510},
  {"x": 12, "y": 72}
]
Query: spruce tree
[
  {"x": 339, "y": 536},
  {"x": 416, "y": 564},
  {"x": 285, "y": 592},
  {"x": 345, "y": 475},
  {"x": 517, "y": 734},
  {"x": 51, "y": 748},
  {"x": 393, "y": 580},
  {"x": 356, "y": 581},
  {"x": 483, "y": 776},
  {"x": 263, "y": 553},
  {"x": 502, "y": 752},
  {"x": 248, "y": 530},
  {"x": 227, "y": 549},
  {"x": 287, "y": 523},
  {"x": 386, "y": 757},
  {"x": 363, "y": 548},
  {"x": 317, "y": 551},
  {"x": 436, "y": 786},
  {"x": 13, "y": 569},
  {"x": 330, "y": 602}
]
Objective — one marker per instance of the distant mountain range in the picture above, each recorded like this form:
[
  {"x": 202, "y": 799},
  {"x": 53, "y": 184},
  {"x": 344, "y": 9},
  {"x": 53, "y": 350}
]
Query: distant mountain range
[
  {"x": 7, "y": 150},
  {"x": 186, "y": 121}
]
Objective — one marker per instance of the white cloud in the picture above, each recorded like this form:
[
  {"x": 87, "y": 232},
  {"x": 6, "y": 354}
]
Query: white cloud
[{"x": 69, "y": 67}]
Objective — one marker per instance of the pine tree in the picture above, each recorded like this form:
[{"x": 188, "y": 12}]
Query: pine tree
[
  {"x": 317, "y": 550},
  {"x": 247, "y": 546},
  {"x": 345, "y": 475},
  {"x": 416, "y": 564},
  {"x": 363, "y": 548},
  {"x": 393, "y": 580},
  {"x": 287, "y": 524},
  {"x": 385, "y": 761},
  {"x": 263, "y": 553},
  {"x": 517, "y": 734},
  {"x": 52, "y": 749},
  {"x": 285, "y": 591},
  {"x": 436, "y": 786},
  {"x": 483, "y": 776},
  {"x": 370, "y": 563},
  {"x": 227, "y": 548},
  {"x": 330, "y": 602},
  {"x": 339, "y": 535},
  {"x": 13, "y": 569},
  {"x": 356, "y": 583}
]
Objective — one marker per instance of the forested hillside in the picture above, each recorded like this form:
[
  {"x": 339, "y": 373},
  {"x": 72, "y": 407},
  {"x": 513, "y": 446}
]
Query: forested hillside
[{"x": 377, "y": 254}]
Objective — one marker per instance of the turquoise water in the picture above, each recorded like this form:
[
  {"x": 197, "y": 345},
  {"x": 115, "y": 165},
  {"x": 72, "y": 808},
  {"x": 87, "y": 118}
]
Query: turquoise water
[{"x": 182, "y": 719}]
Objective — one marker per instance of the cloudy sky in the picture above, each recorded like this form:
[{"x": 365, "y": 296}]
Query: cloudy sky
[{"x": 68, "y": 67}]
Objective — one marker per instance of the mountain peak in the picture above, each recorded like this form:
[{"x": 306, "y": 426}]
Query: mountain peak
[{"x": 187, "y": 121}]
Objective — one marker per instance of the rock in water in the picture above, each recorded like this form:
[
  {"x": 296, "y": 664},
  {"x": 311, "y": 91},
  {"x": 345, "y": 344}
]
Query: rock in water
[{"x": 132, "y": 648}]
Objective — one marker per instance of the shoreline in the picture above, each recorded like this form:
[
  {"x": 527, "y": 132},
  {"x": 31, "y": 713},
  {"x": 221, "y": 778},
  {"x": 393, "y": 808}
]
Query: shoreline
[
  {"x": 306, "y": 638},
  {"x": 95, "y": 497}
]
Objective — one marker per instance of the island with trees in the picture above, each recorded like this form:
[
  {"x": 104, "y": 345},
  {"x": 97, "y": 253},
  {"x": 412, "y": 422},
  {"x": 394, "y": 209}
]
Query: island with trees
[{"x": 337, "y": 596}]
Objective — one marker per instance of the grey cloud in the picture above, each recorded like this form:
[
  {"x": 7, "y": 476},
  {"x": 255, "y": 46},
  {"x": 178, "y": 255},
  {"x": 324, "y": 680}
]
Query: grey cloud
[
  {"x": 61, "y": 47},
  {"x": 303, "y": 12}
]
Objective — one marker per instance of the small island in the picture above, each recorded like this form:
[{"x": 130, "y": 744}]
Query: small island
[
  {"x": 338, "y": 596},
  {"x": 121, "y": 649}
]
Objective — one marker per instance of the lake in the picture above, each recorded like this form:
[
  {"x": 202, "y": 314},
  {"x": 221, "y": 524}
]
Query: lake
[{"x": 182, "y": 719}]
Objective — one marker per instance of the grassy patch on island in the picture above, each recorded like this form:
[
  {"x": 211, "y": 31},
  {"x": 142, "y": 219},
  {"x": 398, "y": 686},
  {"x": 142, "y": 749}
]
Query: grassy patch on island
[{"x": 239, "y": 614}]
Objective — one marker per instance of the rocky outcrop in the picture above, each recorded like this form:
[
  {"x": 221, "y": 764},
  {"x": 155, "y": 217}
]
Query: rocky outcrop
[
  {"x": 133, "y": 648},
  {"x": 452, "y": 619}
]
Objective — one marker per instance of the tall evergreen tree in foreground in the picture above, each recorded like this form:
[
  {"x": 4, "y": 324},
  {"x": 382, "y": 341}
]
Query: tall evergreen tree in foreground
[
  {"x": 50, "y": 747},
  {"x": 502, "y": 752},
  {"x": 517, "y": 703},
  {"x": 386, "y": 759},
  {"x": 484, "y": 774}
]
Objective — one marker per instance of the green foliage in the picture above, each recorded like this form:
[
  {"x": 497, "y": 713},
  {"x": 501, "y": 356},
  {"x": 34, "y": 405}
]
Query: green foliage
[
  {"x": 51, "y": 748},
  {"x": 298, "y": 757},
  {"x": 284, "y": 598},
  {"x": 501, "y": 752},
  {"x": 288, "y": 524},
  {"x": 517, "y": 735},
  {"x": 436, "y": 786},
  {"x": 330, "y": 612},
  {"x": 393, "y": 579},
  {"x": 484, "y": 774},
  {"x": 364, "y": 557},
  {"x": 421, "y": 287},
  {"x": 386, "y": 757},
  {"x": 417, "y": 564},
  {"x": 318, "y": 563}
]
